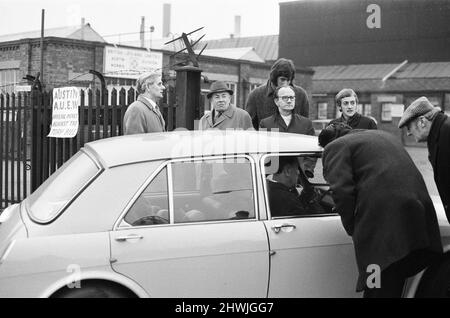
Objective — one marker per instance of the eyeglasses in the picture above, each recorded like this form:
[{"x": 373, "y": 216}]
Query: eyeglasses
[{"x": 287, "y": 98}]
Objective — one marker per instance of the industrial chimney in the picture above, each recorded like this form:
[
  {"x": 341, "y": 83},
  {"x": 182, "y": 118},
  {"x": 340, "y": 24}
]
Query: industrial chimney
[
  {"x": 82, "y": 28},
  {"x": 166, "y": 20},
  {"x": 142, "y": 33},
  {"x": 237, "y": 26}
]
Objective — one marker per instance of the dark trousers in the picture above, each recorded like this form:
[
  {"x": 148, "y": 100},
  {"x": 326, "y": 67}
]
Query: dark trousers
[{"x": 393, "y": 278}]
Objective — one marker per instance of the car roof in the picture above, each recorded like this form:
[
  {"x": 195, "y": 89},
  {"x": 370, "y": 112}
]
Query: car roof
[{"x": 181, "y": 144}]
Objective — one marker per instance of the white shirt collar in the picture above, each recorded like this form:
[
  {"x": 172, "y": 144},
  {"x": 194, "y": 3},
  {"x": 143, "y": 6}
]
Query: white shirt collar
[{"x": 287, "y": 119}]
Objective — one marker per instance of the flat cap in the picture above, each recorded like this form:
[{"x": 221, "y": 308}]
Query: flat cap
[{"x": 417, "y": 108}]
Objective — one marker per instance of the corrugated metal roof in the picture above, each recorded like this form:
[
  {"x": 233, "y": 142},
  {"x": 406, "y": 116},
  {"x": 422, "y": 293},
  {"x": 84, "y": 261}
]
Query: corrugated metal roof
[
  {"x": 391, "y": 85},
  {"x": 425, "y": 70},
  {"x": 266, "y": 46},
  {"x": 378, "y": 71},
  {"x": 244, "y": 53},
  {"x": 349, "y": 72},
  {"x": 71, "y": 32},
  {"x": 433, "y": 76}
]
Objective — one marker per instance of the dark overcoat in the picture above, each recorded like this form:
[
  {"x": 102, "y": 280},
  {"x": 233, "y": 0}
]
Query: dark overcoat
[
  {"x": 439, "y": 155},
  {"x": 381, "y": 198},
  {"x": 358, "y": 121},
  {"x": 261, "y": 104},
  {"x": 298, "y": 125}
]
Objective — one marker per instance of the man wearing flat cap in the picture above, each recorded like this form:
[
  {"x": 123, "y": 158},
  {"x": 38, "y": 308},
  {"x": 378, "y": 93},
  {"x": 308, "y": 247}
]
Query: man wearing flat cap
[
  {"x": 428, "y": 123},
  {"x": 224, "y": 115}
]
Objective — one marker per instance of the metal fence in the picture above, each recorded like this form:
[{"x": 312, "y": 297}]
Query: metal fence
[{"x": 29, "y": 157}]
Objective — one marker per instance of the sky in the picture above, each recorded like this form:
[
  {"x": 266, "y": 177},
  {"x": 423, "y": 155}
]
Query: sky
[{"x": 112, "y": 17}]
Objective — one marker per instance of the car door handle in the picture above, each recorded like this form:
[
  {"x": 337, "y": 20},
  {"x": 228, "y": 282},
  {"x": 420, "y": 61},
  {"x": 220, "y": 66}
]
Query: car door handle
[
  {"x": 129, "y": 237},
  {"x": 287, "y": 226}
]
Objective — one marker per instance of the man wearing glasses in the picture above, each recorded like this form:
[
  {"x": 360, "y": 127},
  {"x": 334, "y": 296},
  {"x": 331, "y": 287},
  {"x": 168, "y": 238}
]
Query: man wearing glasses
[
  {"x": 285, "y": 120},
  {"x": 346, "y": 101}
]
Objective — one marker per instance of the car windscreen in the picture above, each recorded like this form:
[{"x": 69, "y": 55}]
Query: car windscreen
[{"x": 50, "y": 199}]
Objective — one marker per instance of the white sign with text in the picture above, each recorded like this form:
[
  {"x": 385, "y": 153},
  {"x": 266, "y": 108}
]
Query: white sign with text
[
  {"x": 130, "y": 63},
  {"x": 65, "y": 112}
]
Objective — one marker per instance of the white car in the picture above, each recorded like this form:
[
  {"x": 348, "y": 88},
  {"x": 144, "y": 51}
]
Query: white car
[{"x": 182, "y": 214}]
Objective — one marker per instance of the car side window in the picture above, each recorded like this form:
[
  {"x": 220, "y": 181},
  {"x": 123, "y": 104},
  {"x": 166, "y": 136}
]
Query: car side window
[
  {"x": 152, "y": 206},
  {"x": 213, "y": 190},
  {"x": 295, "y": 186}
]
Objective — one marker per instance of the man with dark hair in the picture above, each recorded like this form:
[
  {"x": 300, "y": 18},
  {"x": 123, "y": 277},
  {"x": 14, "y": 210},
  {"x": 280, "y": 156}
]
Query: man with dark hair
[
  {"x": 346, "y": 101},
  {"x": 260, "y": 103},
  {"x": 284, "y": 199},
  {"x": 384, "y": 206},
  {"x": 428, "y": 123}
]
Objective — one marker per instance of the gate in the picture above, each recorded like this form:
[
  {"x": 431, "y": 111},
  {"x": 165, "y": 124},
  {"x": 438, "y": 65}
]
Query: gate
[{"x": 29, "y": 157}]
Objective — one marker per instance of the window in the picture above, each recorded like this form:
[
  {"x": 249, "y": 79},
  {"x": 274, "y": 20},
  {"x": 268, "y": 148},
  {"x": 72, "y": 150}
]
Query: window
[
  {"x": 386, "y": 112},
  {"x": 152, "y": 206},
  {"x": 9, "y": 78},
  {"x": 233, "y": 87},
  {"x": 359, "y": 108},
  {"x": 198, "y": 191},
  {"x": 49, "y": 200},
  {"x": 322, "y": 110},
  {"x": 295, "y": 186},
  {"x": 367, "y": 110},
  {"x": 213, "y": 190}
]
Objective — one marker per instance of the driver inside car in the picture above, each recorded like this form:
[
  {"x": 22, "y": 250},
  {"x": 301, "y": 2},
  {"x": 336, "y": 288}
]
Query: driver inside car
[{"x": 284, "y": 199}]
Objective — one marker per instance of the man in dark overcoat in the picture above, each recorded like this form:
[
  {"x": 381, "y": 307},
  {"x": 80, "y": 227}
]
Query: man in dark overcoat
[
  {"x": 260, "y": 103},
  {"x": 428, "y": 123},
  {"x": 286, "y": 120},
  {"x": 384, "y": 205}
]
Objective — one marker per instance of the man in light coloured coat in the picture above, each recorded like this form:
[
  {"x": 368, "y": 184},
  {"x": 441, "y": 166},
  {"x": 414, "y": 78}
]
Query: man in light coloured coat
[
  {"x": 224, "y": 115},
  {"x": 144, "y": 116}
]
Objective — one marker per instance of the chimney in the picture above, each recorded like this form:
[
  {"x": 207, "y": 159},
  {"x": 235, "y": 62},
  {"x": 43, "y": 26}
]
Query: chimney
[
  {"x": 82, "y": 28},
  {"x": 142, "y": 33},
  {"x": 166, "y": 20},
  {"x": 237, "y": 26}
]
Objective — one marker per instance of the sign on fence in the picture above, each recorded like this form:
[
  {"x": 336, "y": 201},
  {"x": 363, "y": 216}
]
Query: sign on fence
[{"x": 65, "y": 112}]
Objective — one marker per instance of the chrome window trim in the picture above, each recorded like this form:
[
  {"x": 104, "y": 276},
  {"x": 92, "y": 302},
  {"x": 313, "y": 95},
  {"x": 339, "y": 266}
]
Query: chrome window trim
[
  {"x": 168, "y": 163},
  {"x": 74, "y": 197},
  {"x": 170, "y": 193},
  {"x": 266, "y": 195}
]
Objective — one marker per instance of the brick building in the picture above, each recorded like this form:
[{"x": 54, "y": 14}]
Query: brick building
[{"x": 69, "y": 54}]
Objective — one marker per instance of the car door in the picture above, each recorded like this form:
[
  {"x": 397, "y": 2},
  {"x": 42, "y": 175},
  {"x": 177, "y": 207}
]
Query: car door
[
  {"x": 311, "y": 255},
  {"x": 172, "y": 243}
]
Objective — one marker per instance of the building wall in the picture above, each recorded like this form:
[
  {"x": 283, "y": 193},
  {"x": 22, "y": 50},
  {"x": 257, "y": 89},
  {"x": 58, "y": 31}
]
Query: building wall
[
  {"x": 336, "y": 32},
  {"x": 63, "y": 58}
]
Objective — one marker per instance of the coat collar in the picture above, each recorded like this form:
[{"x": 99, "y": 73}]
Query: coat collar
[
  {"x": 280, "y": 121},
  {"x": 146, "y": 102},
  {"x": 353, "y": 121},
  {"x": 229, "y": 113},
  {"x": 436, "y": 127}
]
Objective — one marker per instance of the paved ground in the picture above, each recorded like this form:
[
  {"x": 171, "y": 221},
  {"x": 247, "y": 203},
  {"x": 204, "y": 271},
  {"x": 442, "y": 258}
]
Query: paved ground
[{"x": 420, "y": 158}]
